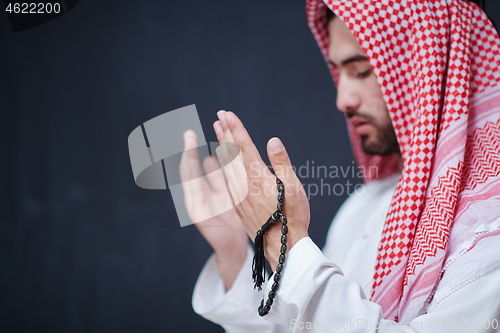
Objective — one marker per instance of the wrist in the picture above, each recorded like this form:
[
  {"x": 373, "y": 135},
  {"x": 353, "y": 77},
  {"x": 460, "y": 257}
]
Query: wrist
[
  {"x": 230, "y": 262},
  {"x": 232, "y": 254},
  {"x": 272, "y": 244}
]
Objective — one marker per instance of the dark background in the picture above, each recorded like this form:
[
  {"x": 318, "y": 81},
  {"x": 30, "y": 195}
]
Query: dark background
[{"x": 82, "y": 248}]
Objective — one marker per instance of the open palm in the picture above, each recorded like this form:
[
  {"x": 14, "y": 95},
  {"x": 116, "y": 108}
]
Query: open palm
[{"x": 209, "y": 204}]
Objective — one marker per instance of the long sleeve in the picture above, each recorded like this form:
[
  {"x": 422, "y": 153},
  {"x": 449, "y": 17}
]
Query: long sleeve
[
  {"x": 351, "y": 245},
  {"x": 319, "y": 290},
  {"x": 236, "y": 309},
  {"x": 314, "y": 295}
]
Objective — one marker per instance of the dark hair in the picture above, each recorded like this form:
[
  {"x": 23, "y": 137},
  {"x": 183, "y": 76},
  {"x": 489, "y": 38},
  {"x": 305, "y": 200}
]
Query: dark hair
[{"x": 329, "y": 15}]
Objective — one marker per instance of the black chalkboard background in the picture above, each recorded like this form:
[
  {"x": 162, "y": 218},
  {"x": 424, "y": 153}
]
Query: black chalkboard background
[{"x": 82, "y": 248}]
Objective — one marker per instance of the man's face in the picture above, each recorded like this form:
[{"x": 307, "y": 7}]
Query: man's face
[{"x": 358, "y": 92}]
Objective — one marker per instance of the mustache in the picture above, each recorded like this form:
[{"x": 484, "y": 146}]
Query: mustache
[{"x": 362, "y": 115}]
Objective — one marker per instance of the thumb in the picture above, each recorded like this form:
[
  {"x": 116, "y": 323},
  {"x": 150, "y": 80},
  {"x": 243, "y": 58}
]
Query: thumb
[{"x": 280, "y": 161}]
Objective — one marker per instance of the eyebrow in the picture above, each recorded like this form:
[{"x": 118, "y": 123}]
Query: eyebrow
[{"x": 350, "y": 60}]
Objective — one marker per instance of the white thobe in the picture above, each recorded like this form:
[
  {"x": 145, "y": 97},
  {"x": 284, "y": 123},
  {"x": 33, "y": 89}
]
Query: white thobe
[{"x": 329, "y": 290}]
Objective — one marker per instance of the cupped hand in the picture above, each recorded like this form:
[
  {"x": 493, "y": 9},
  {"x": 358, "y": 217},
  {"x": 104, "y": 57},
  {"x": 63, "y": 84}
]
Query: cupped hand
[
  {"x": 253, "y": 187},
  {"x": 210, "y": 208}
]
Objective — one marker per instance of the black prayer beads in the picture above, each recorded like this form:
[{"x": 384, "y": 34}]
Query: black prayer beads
[{"x": 265, "y": 307}]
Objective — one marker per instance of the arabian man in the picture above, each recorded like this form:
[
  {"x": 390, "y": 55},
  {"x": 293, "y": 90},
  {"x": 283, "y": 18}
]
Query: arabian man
[{"x": 418, "y": 81}]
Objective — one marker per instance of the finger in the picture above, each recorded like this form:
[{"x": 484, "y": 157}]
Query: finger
[
  {"x": 234, "y": 130},
  {"x": 224, "y": 171},
  {"x": 234, "y": 163},
  {"x": 214, "y": 174},
  {"x": 218, "y": 131},
  {"x": 281, "y": 163},
  {"x": 190, "y": 170},
  {"x": 228, "y": 150},
  {"x": 190, "y": 167},
  {"x": 234, "y": 168},
  {"x": 216, "y": 180}
]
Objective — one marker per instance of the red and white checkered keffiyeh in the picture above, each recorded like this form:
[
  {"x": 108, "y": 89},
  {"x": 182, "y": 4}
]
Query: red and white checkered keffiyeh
[{"x": 437, "y": 63}]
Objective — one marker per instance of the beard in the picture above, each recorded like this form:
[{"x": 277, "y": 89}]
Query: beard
[{"x": 383, "y": 141}]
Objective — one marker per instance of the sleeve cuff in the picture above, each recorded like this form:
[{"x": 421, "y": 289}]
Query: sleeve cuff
[
  {"x": 301, "y": 257},
  {"x": 211, "y": 301}
]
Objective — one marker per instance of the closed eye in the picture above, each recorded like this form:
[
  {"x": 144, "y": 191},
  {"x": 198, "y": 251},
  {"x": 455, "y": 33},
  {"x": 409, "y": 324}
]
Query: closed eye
[{"x": 364, "y": 74}]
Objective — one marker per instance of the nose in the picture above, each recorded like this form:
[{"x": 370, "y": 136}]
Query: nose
[{"x": 348, "y": 96}]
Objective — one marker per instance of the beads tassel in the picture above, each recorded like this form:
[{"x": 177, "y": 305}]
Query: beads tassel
[{"x": 258, "y": 267}]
